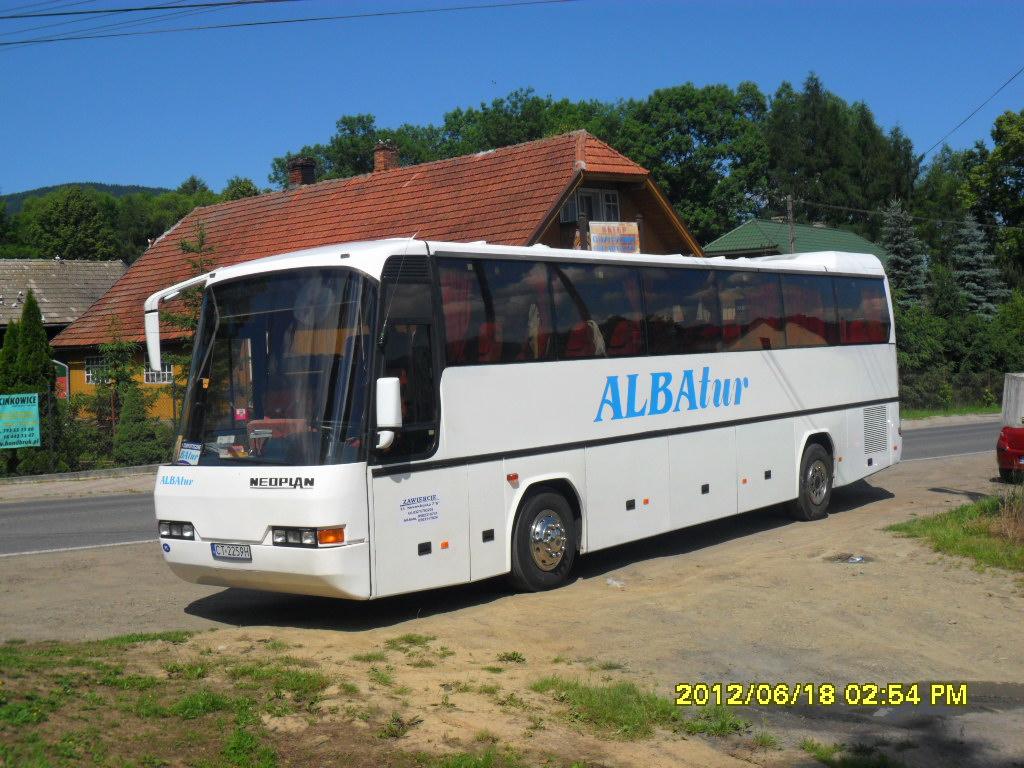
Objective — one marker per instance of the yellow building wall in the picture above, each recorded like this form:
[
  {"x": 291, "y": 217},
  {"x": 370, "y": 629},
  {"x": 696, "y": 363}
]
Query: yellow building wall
[{"x": 163, "y": 406}]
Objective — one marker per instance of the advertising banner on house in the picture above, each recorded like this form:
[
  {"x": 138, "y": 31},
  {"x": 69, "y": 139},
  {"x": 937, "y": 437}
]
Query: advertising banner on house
[
  {"x": 615, "y": 236},
  {"x": 19, "y": 421}
]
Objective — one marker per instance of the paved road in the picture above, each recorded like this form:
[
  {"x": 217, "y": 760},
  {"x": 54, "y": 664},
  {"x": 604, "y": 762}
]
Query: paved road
[
  {"x": 932, "y": 442},
  {"x": 54, "y": 524},
  {"x": 29, "y": 526}
]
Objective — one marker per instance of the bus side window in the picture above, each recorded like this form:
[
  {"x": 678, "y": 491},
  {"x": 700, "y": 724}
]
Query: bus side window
[
  {"x": 598, "y": 310},
  {"x": 810, "y": 310},
  {"x": 863, "y": 311},
  {"x": 751, "y": 311},
  {"x": 682, "y": 311}
]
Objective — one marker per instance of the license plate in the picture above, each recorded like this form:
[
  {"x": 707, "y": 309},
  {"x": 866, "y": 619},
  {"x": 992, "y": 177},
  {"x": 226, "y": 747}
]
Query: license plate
[{"x": 231, "y": 552}]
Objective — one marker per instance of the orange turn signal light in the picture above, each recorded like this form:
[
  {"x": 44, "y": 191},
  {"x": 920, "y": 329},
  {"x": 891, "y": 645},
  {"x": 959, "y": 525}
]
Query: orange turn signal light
[{"x": 331, "y": 535}]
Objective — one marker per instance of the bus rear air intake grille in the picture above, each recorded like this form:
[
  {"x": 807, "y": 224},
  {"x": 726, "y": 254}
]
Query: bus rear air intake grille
[
  {"x": 413, "y": 268},
  {"x": 876, "y": 437}
]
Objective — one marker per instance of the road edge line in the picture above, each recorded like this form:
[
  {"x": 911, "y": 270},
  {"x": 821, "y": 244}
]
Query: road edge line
[{"x": 77, "y": 549}]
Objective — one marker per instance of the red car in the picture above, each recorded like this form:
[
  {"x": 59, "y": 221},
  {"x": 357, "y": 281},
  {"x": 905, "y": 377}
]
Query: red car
[{"x": 1010, "y": 454}]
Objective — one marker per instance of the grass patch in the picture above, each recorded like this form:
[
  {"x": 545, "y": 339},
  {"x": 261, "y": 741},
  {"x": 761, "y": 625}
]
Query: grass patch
[
  {"x": 718, "y": 720},
  {"x": 408, "y": 642},
  {"x": 608, "y": 666},
  {"x": 122, "y": 641},
  {"x": 990, "y": 531},
  {"x": 910, "y": 414},
  {"x": 488, "y": 689},
  {"x": 304, "y": 685},
  {"x": 620, "y": 709},
  {"x": 765, "y": 740},
  {"x": 381, "y": 676},
  {"x": 190, "y": 671},
  {"x": 370, "y": 656},
  {"x": 511, "y": 657},
  {"x": 200, "y": 703},
  {"x": 494, "y": 670},
  {"x": 397, "y": 726},
  {"x": 842, "y": 756}
]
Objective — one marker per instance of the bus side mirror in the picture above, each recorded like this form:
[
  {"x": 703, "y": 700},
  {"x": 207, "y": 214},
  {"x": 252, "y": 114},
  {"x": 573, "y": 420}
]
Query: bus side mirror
[{"x": 389, "y": 411}]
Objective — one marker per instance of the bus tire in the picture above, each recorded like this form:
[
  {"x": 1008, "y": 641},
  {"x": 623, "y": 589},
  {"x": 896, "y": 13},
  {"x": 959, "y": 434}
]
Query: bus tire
[
  {"x": 816, "y": 476},
  {"x": 543, "y": 542}
]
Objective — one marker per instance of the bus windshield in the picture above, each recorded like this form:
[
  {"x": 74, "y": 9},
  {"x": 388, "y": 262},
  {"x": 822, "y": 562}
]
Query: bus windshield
[{"x": 280, "y": 371}]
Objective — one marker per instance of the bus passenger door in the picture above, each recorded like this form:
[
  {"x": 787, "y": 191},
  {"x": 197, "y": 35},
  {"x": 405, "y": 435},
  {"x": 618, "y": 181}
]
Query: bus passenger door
[{"x": 419, "y": 517}]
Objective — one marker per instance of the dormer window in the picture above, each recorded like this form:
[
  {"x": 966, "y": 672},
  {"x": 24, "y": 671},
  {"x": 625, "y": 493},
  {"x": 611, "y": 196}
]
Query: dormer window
[{"x": 595, "y": 204}]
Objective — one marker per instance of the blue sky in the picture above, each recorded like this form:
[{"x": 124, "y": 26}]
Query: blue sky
[{"x": 152, "y": 110}]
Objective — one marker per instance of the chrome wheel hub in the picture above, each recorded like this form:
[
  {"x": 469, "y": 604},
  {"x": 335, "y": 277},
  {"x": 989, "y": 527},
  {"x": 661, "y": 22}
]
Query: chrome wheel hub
[
  {"x": 547, "y": 540},
  {"x": 817, "y": 482}
]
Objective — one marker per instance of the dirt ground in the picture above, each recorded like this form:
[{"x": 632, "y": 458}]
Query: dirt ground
[{"x": 755, "y": 598}]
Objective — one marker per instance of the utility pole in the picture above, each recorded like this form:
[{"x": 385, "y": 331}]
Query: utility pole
[{"x": 792, "y": 229}]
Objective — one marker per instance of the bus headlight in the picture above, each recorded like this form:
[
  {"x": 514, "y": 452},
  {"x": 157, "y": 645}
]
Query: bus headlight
[
  {"x": 294, "y": 537},
  {"x": 172, "y": 529}
]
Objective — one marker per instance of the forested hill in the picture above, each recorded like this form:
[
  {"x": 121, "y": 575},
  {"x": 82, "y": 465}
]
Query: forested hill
[{"x": 17, "y": 199}]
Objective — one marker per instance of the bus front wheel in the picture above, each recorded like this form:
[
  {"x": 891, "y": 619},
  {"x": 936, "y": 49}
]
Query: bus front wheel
[
  {"x": 543, "y": 542},
  {"x": 816, "y": 475}
]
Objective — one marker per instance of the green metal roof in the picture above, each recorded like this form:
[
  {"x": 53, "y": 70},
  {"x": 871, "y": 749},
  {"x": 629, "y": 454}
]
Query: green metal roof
[{"x": 758, "y": 237}]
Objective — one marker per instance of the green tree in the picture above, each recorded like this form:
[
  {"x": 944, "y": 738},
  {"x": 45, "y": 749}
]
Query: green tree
[
  {"x": 32, "y": 371},
  {"x": 975, "y": 271},
  {"x": 907, "y": 260},
  {"x": 69, "y": 223},
  {"x": 193, "y": 186},
  {"x": 238, "y": 187},
  {"x": 995, "y": 191},
  {"x": 939, "y": 198},
  {"x": 704, "y": 147},
  {"x": 138, "y": 438}
]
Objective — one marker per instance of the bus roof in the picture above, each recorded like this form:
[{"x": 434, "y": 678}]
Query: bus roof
[{"x": 369, "y": 257}]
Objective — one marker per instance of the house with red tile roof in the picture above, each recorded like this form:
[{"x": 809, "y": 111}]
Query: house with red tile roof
[{"x": 543, "y": 191}]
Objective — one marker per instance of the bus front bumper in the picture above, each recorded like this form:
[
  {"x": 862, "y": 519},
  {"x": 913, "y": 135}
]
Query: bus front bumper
[{"x": 327, "y": 571}]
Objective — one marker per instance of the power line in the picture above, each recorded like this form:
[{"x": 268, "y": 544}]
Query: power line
[
  {"x": 305, "y": 20},
  {"x": 916, "y": 218},
  {"x": 138, "y": 9},
  {"x": 976, "y": 111},
  {"x": 100, "y": 26}
]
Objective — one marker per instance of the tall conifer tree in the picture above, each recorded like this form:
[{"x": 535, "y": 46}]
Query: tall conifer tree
[{"x": 907, "y": 261}]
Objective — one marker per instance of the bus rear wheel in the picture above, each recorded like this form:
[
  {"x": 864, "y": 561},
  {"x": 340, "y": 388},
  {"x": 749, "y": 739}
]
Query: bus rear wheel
[
  {"x": 816, "y": 475},
  {"x": 543, "y": 542}
]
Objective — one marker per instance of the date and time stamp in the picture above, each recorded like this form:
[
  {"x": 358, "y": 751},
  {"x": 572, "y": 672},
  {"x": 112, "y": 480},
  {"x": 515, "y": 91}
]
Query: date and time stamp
[{"x": 936, "y": 694}]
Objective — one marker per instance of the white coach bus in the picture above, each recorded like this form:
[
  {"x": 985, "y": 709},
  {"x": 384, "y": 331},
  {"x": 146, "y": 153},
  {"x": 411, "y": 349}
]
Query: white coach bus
[{"x": 370, "y": 419}]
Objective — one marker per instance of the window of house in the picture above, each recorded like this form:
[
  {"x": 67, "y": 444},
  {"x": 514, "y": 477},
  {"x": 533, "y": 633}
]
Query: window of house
[
  {"x": 863, "y": 310},
  {"x": 163, "y": 376},
  {"x": 598, "y": 310},
  {"x": 751, "y": 311},
  {"x": 94, "y": 370},
  {"x": 810, "y": 310},
  {"x": 595, "y": 204},
  {"x": 682, "y": 311}
]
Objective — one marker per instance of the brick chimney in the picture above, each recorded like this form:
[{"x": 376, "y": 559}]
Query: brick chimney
[
  {"x": 301, "y": 170},
  {"x": 385, "y": 156}
]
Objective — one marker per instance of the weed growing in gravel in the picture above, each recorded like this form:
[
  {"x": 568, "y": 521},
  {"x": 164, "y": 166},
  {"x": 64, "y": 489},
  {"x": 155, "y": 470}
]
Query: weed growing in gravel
[
  {"x": 396, "y": 727},
  {"x": 370, "y": 656},
  {"x": 511, "y": 657},
  {"x": 716, "y": 720},
  {"x": 620, "y": 709},
  {"x": 765, "y": 740},
  {"x": 381, "y": 676},
  {"x": 409, "y": 641}
]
